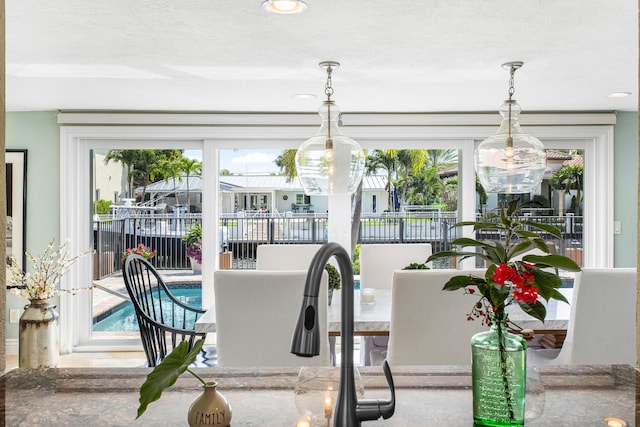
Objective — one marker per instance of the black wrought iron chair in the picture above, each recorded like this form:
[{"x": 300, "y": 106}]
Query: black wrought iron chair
[{"x": 164, "y": 320}]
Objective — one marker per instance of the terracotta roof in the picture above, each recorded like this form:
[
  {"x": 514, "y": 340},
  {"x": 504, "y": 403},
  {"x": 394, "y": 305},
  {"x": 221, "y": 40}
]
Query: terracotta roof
[
  {"x": 558, "y": 155},
  {"x": 577, "y": 160}
]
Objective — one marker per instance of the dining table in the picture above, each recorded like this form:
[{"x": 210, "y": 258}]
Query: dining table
[{"x": 374, "y": 319}]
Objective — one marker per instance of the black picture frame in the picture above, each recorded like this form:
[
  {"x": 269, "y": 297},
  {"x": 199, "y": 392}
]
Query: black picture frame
[{"x": 16, "y": 185}]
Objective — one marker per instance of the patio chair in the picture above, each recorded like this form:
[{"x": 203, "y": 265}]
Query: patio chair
[{"x": 164, "y": 321}]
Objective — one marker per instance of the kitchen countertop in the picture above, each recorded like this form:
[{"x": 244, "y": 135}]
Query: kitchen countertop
[{"x": 426, "y": 396}]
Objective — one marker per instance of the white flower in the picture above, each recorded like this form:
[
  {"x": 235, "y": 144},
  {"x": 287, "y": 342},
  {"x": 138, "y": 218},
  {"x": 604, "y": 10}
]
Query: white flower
[{"x": 48, "y": 268}]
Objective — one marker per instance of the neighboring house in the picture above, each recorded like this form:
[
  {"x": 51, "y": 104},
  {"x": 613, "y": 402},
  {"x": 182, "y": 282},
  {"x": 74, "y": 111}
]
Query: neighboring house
[
  {"x": 110, "y": 180},
  {"x": 269, "y": 192},
  {"x": 555, "y": 160}
]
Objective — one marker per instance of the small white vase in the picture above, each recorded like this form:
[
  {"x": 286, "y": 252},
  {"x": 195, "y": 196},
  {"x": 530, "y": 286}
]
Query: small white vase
[
  {"x": 211, "y": 408},
  {"x": 195, "y": 266}
]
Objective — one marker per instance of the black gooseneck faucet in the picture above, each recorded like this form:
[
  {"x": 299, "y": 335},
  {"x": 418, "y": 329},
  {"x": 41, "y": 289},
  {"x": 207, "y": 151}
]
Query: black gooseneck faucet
[{"x": 349, "y": 411}]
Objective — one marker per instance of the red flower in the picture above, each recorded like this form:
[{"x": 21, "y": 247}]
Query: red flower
[
  {"x": 526, "y": 293},
  {"x": 503, "y": 273}
]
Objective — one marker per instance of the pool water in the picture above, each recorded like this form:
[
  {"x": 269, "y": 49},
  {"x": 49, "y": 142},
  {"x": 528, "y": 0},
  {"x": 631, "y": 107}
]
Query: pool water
[{"x": 122, "y": 318}]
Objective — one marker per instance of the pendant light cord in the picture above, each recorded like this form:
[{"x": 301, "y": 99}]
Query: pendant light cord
[
  {"x": 328, "y": 90},
  {"x": 509, "y": 142}
]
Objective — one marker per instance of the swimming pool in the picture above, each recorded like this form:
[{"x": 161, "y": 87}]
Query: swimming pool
[{"x": 122, "y": 317}]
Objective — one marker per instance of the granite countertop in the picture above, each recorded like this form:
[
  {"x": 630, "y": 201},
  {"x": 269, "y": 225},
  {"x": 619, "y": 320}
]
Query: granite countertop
[{"x": 426, "y": 396}]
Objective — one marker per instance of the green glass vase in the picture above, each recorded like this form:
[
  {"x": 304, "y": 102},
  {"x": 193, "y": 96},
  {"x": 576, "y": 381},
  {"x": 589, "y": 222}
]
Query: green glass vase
[{"x": 499, "y": 366}]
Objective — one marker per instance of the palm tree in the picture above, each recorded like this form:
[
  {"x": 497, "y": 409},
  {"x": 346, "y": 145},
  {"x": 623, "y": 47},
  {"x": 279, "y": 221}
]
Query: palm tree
[
  {"x": 440, "y": 159},
  {"x": 169, "y": 169},
  {"x": 450, "y": 193},
  {"x": 286, "y": 161},
  {"x": 387, "y": 160},
  {"x": 140, "y": 164},
  {"x": 144, "y": 163},
  {"x": 410, "y": 163},
  {"x": 568, "y": 178},
  {"x": 190, "y": 167},
  {"x": 426, "y": 183}
]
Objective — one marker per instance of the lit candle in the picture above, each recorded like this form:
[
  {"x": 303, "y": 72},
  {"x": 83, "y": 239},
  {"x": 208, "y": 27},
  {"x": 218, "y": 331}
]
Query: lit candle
[
  {"x": 327, "y": 407},
  {"x": 368, "y": 296},
  {"x": 615, "y": 422},
  {"x": 303, "y": 422}
]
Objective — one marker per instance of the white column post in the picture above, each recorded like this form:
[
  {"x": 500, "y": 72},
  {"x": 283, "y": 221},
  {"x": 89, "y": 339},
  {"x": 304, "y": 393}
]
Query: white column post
[{"x": 340, "y": 220}]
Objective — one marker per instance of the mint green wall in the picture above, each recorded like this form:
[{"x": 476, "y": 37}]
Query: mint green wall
[
  {"x": 626, "y": 188},
  {"x": 37, "y": 132}
]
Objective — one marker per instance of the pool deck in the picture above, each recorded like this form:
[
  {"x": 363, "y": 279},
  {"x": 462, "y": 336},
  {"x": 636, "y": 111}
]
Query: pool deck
[{"x": 104, "y": 300}]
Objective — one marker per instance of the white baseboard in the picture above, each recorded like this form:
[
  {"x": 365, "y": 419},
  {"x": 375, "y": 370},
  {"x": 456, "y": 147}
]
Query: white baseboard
[{"x": 11, "y": 346}]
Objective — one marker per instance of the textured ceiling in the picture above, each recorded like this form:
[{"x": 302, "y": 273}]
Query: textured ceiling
[{"x": 210, "y": 55}]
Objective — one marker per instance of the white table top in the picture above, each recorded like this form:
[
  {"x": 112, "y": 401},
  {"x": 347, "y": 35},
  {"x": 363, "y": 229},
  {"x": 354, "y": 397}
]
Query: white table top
[{"x": 375, "y": 319}]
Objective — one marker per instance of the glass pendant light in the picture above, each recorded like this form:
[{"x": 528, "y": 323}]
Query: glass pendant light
[
  {"x": 330, "y": 163},
  {"x": 510, "y": 161}
]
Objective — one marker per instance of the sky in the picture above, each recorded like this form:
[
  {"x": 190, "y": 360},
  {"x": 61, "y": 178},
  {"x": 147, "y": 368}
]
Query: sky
[{"x": 244, "y": 161}]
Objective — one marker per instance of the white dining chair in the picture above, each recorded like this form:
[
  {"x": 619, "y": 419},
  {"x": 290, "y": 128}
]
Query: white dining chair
[
  {"x": 429, "y": 326},
  {"x": 601, "y": 322},
  {"x": 379, "y": 261},
  {"x": 256, "y": 314},
  {"x": 285, "y": 257},
  {"x": 377, "y": 264}
]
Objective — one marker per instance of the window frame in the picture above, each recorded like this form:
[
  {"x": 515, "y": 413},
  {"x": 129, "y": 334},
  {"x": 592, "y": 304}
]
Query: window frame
[{"x": 591, "y": 132}]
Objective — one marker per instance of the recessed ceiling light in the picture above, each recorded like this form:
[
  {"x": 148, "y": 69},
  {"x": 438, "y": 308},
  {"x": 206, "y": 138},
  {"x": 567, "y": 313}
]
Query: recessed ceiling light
[
  {"x": 618, "y": 94},
  {"x": 284, "y": 7},
  {"x": 615, "y": 422},
  {"x": 304, "y": 96}
]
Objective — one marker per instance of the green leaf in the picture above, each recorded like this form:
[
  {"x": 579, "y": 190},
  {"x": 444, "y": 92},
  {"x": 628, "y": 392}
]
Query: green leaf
[
  {"x": 443, "y": 254},
  {"x": 540, "y": 244},
  {"x": 488, "y": 226},
  {"x": 545, "y": 282},
  {"x": 527, "y": 234},
  {"x": 480, "y": 224},
  {"x": 536, "y": 310},
  {"x": 556, "y": 261},
  {"x": 465, "y": 242},
  {"x": 458, "y": 282},
  {"x": 513, "y": 207},
  {"x": 165, "y": 374},
  {"x": 558, "y": 296},
  {"x": 497, "y": 295},
  {"x": 544, "y": 227},
  {"x": 520, "y": 247}
]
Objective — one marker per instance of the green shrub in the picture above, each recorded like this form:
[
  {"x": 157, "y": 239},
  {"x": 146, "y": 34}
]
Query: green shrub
[
  {"x": 416, "y": 266},
  {"x": 355, "y": 265},
  {"x": 194, "y": 235},
  {"x": 334, "y": 276},
  {"x": 101, "y": 207}
]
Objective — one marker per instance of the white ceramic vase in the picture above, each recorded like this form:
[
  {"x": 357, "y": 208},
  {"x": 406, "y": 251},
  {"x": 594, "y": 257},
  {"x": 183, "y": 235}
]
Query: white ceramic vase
[
  {"x": 196, "y": 267},
  {"x": 39, "y": 345}
]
